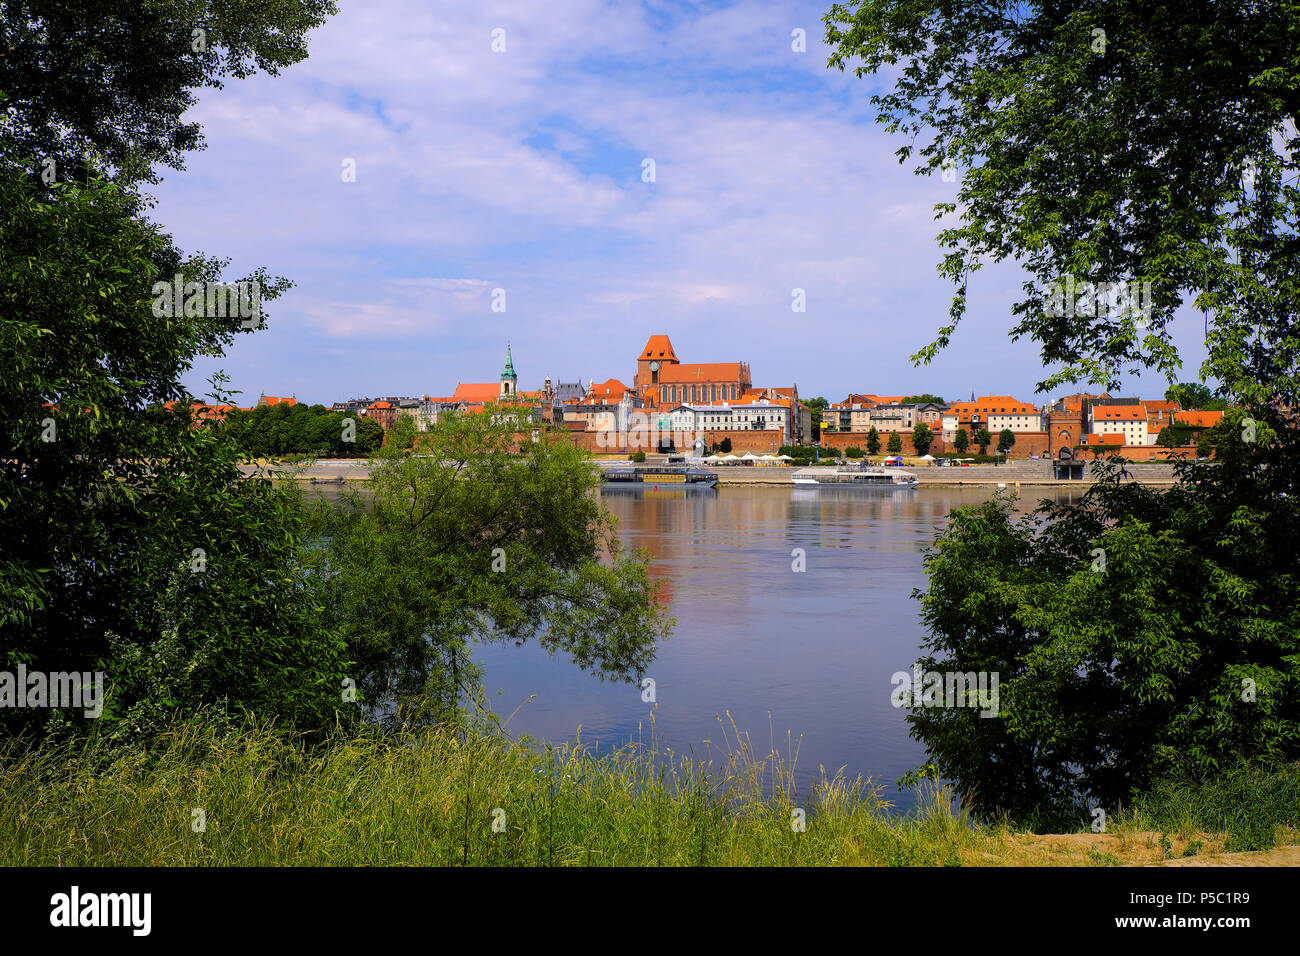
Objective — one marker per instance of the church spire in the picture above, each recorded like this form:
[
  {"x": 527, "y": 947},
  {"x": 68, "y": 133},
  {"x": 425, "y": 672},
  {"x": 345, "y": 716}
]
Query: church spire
[{"x": 509, "y": 380}]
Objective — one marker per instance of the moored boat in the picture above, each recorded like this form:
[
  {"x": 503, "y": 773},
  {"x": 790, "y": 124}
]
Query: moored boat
[
  {"x": 653, "y": 476},
  {"x": 862, "y": 476}
]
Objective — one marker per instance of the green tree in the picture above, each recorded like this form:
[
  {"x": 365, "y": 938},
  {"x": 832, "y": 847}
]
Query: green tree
[
  {"x": 816, "y": 406},
  {"x": 368, "y": 436},
  {"x": 961, "y": 441},
  {"x": 1171, "y": 436},
  {"x": 923, "y": 398},
  {"x": 1194, "y": 396},
  {"x": 402, "y": 434},
  {"x": 873, "y": 441},
  {"x": 853, "y": 451},
  {"x": 117, "y": 76},
  {"x": 1006, "y": 440},
  {"x": 133, "y": 545},
  {"x": 469, "y": 545},
  {"x": 895, "y": 445},
  {"x": 1101, "y": 623},
  {"x": 983, "y": 439},
  {"x": 922, "y": 438}
]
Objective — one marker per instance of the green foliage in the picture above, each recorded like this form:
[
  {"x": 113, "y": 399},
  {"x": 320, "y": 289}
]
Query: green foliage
[
  {"x": 873, "y": 441},
  {"x": 1171, "y": 436},
  {"x": 1036, "y": 112},
  {"x": 116, "y": 76},
  {"x": 272, "y": 431},
  {"x": 1194, "y": 396},
  {"x": 133, "y": 545},
  {"x": 1251, "y": 804},
  {"x": 983, "y": 439},
  {"x": 922, "y": 438},
  {"x": 853, "y": 451},
  {"x": 1006, "y": 440},
  {"x": 961, "y": 441},
  {"x": 101, "y": 525},
  {"x": 816, "y": 406},
  {"x": 923, "y": 398},
  {"x": 403, "y": 433},
  {"x": 895, "y": 445},
  {"x": 476, "y": 542},
  {"x": 1111, "y": 676},
  {"x": 636, "y": 456}
]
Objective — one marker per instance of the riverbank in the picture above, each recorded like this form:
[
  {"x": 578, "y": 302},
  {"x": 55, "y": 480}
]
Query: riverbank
[
  {"x": 261, "y": 798},
  {"x": 1014, "y": 474}
]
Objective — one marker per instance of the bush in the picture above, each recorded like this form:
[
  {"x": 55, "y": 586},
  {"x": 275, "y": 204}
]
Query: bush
[
  {"x": 636, "y": 456},
  {"x": 853, "y": 451}
]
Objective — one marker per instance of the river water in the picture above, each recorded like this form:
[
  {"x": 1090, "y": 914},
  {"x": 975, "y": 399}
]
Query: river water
[{"x": 809, "y": 652}]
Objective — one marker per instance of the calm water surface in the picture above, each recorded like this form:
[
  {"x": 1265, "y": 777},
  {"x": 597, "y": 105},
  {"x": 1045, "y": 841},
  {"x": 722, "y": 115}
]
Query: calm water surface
[{"x": 810, "y": 653}]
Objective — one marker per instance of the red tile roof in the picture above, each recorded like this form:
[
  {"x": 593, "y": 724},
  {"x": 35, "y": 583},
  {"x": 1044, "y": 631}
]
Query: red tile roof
[
  {"x": 1118, "y": 413},
  {"x": 476, "y": 392},
  {"x": 1198, "y": 419},
  {"x": 658, "y": 347},
  {"x": 700, "y": 373}
]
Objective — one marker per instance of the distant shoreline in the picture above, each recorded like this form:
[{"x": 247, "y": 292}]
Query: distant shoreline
[{"x": 1155, "y": 475}]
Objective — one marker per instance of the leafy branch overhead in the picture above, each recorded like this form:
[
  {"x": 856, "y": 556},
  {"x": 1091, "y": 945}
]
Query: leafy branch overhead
[{"x": 1110, "y": 142}]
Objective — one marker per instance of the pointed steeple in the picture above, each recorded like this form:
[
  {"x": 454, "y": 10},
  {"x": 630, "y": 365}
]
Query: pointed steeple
[{"x": 509, "y": 380}]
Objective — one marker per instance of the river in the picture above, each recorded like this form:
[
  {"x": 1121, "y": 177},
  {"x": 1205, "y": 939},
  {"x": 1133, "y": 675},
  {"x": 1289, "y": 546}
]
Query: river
[{"x": 809, "y": 652}]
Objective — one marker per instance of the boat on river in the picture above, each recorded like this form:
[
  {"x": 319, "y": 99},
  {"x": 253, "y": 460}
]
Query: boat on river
[
  {"x": 855, "y": 476},
  {"x": 640, "y": 477}
]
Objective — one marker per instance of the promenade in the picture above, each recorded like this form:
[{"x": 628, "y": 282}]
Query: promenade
[{"x": 1013, "y": 474}]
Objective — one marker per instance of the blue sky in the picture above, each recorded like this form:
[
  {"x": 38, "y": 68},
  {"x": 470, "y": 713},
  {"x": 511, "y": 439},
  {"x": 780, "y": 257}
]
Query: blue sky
[{"x": 522, "y": 170}]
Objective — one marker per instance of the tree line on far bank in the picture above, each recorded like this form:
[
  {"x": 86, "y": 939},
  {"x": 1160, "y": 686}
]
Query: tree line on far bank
[{"x": 270, "y": 430}]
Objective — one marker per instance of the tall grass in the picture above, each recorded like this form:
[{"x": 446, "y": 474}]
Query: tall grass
[
  {"x": 427, "y": 798},
  {"x": 1255, "y": 807}
]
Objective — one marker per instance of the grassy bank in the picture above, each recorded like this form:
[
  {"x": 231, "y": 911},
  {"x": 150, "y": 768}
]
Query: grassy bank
[{"x": 428, "y": 799}]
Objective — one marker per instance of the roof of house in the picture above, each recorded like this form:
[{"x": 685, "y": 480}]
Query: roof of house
[
  {"x": 658, "y": 347},
  {"x": 1118, "y": 413},
  {"x": 477, "y": 392},
  {"x": 700, "y": 373},
  {"x": 1160, "y": 406},
  {"x": 991, "y": 405},
  {"x": 274, "y": 400},
  {"x": 381, "y": 404},
  {"x": 1198, "y": 419},
  {"x": 610, "y": 389}
]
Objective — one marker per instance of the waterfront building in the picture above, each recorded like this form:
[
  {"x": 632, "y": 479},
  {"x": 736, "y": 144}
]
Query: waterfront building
[{"x": 1128, "y": 421}]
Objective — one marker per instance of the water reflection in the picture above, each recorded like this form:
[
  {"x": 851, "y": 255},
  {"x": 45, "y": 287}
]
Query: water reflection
[{"x": 810, "y": 651}]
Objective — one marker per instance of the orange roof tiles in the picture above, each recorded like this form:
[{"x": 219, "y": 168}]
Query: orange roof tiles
[
  {"x": 700, "y": 373},
  {"x": 1198, "y": 419},
  {"x": 1118, "y": 413},
  {"x": 659, "y": 347},
  {"x": 609, "y": 390},
  {"x": 475, "y": 392}
]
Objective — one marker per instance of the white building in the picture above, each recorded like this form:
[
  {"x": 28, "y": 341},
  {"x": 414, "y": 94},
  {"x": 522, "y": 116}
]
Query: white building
[{"x": 1130, "y": 421}]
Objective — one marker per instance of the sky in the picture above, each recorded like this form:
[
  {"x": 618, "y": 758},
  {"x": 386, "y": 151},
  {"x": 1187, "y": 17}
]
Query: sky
[{"x": 524, "y": 170}]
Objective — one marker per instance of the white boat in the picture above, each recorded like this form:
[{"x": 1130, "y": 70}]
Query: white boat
[{"x": 861, "y": 476}]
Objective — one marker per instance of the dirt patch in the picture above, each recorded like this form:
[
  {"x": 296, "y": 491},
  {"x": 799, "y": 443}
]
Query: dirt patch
[{"x": 1125, "y": 848}]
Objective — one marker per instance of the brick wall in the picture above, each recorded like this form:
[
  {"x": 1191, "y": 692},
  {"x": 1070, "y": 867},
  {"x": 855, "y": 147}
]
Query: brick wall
[
  {"x": 1027, "y": 443},
  {"x": 768, "y": 441}
]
